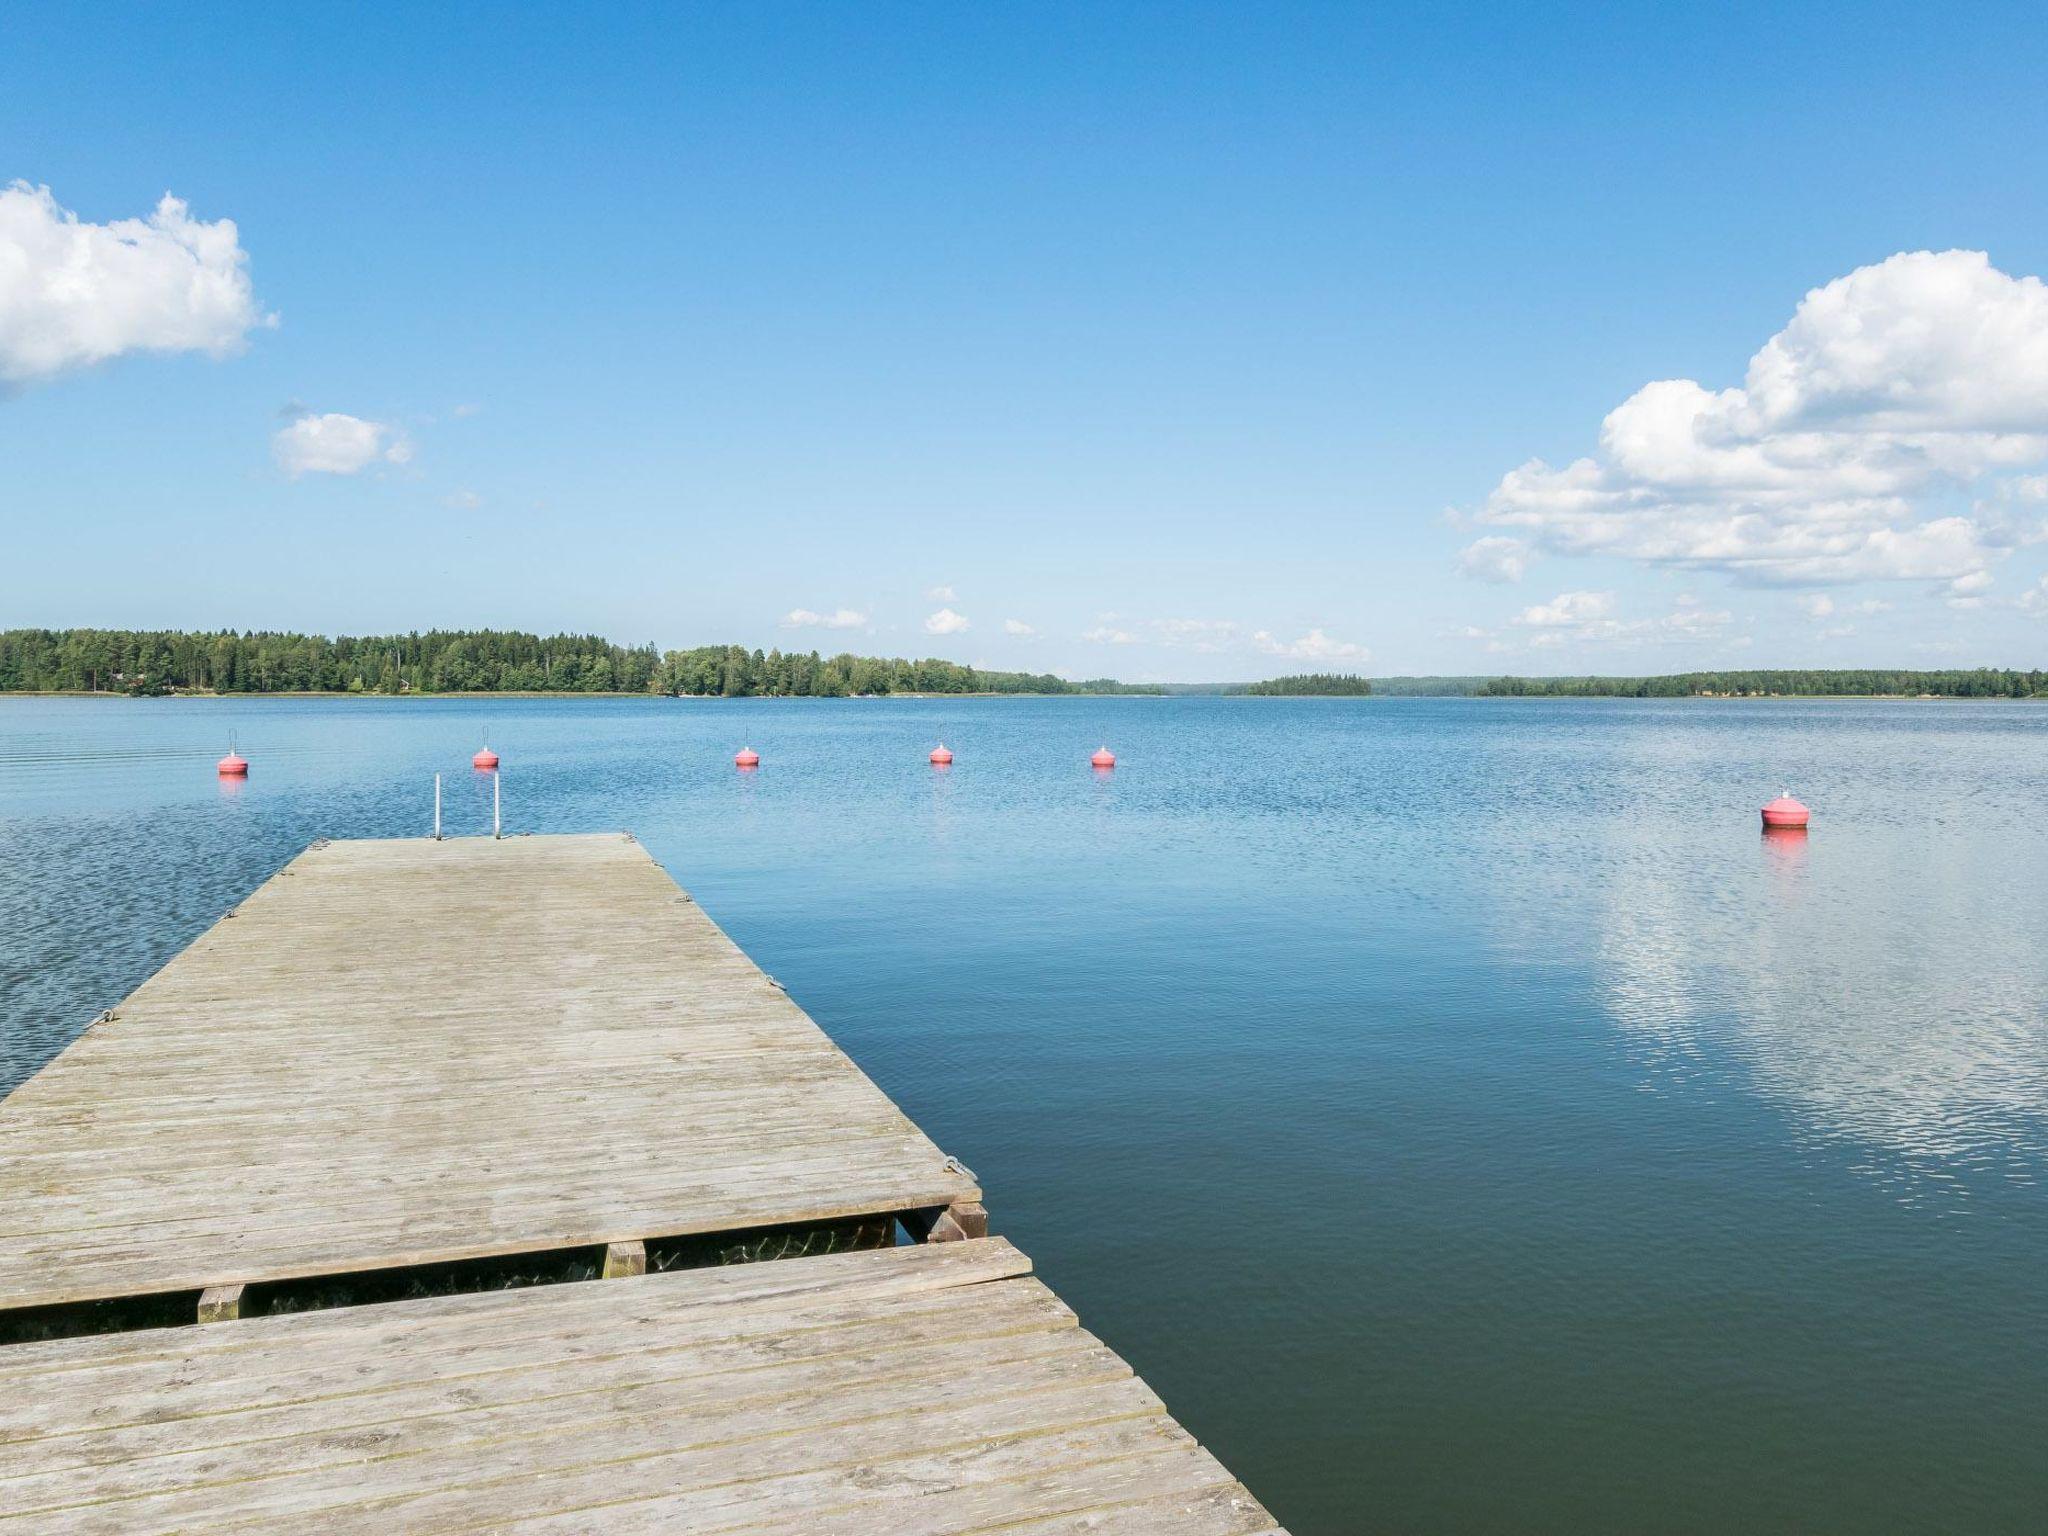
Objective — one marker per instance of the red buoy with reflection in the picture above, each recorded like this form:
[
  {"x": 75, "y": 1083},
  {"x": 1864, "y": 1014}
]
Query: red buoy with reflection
[
  {"x": 747, "y": 757},
  {"x": 233, "y": 766},
  {"x": 1103, "y": 758},
  {"x": 942, "y": 755},
  {"x": 484, "y": 759},
  {"x": 1785, "y": 812}
]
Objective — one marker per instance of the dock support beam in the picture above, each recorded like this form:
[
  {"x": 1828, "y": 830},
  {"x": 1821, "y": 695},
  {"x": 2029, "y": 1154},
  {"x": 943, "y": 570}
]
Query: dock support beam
[
  {"x": 949, "y": 1223},
  {"x": 623, "y": 1259},
  {"x": 220, "y": 1304}
]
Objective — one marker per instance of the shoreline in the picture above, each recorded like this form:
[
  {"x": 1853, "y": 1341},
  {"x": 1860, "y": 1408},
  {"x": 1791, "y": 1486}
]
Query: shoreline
[
  {"x": 1179, "y": 691},
  {"x": 524, "y": 693}
]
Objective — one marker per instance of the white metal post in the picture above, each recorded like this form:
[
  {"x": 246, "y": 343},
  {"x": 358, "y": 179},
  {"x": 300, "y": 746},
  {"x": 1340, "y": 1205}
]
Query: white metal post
[
  {"x": 437, "y": 807},
  {"x": 497, "y": 823}
]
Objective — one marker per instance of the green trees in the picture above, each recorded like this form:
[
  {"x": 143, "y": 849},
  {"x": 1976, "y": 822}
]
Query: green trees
[
  {"x": 1316, "y": 684},
  {"x": 440, "y": 661},
  {"x": 1980, "y": 683},
  {"x": 509, "y": 661},
  {"x": 732, "y": 672},
  {"x": 466, "y": 661}
]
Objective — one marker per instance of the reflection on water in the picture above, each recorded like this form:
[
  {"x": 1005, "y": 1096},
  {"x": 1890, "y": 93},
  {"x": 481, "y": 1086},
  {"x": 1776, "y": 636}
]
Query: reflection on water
[
  {"x": 1462, "y": 1116},
  {"x": 1786, "y": 846},
  {"x": 1889, "y": 994}
]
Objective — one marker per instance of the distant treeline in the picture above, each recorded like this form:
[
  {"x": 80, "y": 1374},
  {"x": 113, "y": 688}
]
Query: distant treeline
[
  {"x": 1980, "y": 683},
  {"x": 1429, "y": 687},
  {"x": 469, "y": 661},
  {"x": 505, "y": 661},
  {"x": 1316, "y": 684}
]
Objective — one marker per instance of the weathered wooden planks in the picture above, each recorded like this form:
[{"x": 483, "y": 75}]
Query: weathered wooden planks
[
  {"x": 928, "y": 1389},
  {"x": 401, "y": 1053}
]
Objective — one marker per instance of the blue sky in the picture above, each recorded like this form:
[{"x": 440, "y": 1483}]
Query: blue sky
[{"x": 1197, "y": 340}]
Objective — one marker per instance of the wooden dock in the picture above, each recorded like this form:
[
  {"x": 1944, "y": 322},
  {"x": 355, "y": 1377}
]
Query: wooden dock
[{"x": 432, "y": 1068}]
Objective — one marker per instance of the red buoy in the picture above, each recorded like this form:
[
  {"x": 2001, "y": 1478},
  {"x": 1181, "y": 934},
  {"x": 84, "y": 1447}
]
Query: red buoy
[
  {"x": 942, "y": 755},
  {"x": 1103, "y": 758},
  {"x": 233, "y": 766},
  {"x": 747, "y": 757},
  {"x": 1785, "y": 812},
  {"x": 484, "y": 759}
]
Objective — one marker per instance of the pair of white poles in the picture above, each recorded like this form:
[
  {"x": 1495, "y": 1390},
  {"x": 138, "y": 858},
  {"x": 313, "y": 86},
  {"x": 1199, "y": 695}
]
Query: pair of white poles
[{"x": 497, "y": 819}]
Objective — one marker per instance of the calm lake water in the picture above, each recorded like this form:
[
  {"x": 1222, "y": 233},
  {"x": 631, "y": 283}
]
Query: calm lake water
[{"x": 1455, "y": 1108}]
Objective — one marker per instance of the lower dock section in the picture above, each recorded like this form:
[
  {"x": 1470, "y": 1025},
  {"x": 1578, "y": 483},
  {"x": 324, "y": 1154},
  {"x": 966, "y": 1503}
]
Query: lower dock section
[{"x": 912, "y": 1391}]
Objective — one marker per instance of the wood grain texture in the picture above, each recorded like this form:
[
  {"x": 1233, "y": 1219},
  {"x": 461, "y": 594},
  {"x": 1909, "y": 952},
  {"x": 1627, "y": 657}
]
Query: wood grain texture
[
  {"x": 411, "y": 1052},
  {"x": 934, "y": 1390}
]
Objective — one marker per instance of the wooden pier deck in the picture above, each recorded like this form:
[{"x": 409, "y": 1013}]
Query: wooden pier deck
[
  {"x": 405, "y": 1054},
  {"x": 910, "y": 1391}
]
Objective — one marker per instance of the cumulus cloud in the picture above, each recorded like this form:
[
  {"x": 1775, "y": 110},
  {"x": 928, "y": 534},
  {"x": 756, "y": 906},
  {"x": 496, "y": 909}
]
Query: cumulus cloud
[
  {"x": 1820, "y": 607},
  {"x": 1567, "y": 608},
  {"x": 1205, "y": 635},
  {"x": 2035, "y": 599},
  {"x": 1590, "y": 616},
  {"x": 336, "y": 444},
  {"x": 1313, "y": 646},
  {"x": 1891, "y": 390},
  {"x": 946, "y": 622},
  {"x": 1103, "y": 634},
  {"x": 839, "y": 618},
  {"x": 1017, "y": 627},
  {"x": 942, "y": 594},
  {"x": 1494, "y": 558},
  {"x": 73, "y": 293},
  {"x": 1968, "y": 591},
  {"x": 1691, "y": 619}
]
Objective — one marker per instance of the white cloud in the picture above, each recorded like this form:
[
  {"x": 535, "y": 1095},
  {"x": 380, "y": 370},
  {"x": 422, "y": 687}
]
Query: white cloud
[
  {"x": 942, "y": 594},
  {"x": 1495, "y": 558},
  {"x": 73, "y": 293},
  {"x": 1967, "y": 592},
  {"x": 1313, "y": 646},
  {"x": 1819, "y": 607},
  {"x": 1102, "y": 634},
  {"x": 335, "y": 444},
  {"x": 462, "y": 501},
  {"x": 839, "y": 618},
  {"x": 1017, "y": 627},
  {"x": 468, "y": 409},
  {"x": 1589, "y": 616},
  {"x": 1567, "y": 608},
  {"x": 1690, "y": 619},
  {"x": 1205, "y": 635},
  {"x": 946, "y": 622},
  {"x": 2035, "y": 599},
  {"x": 1890, "y": 390}
]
